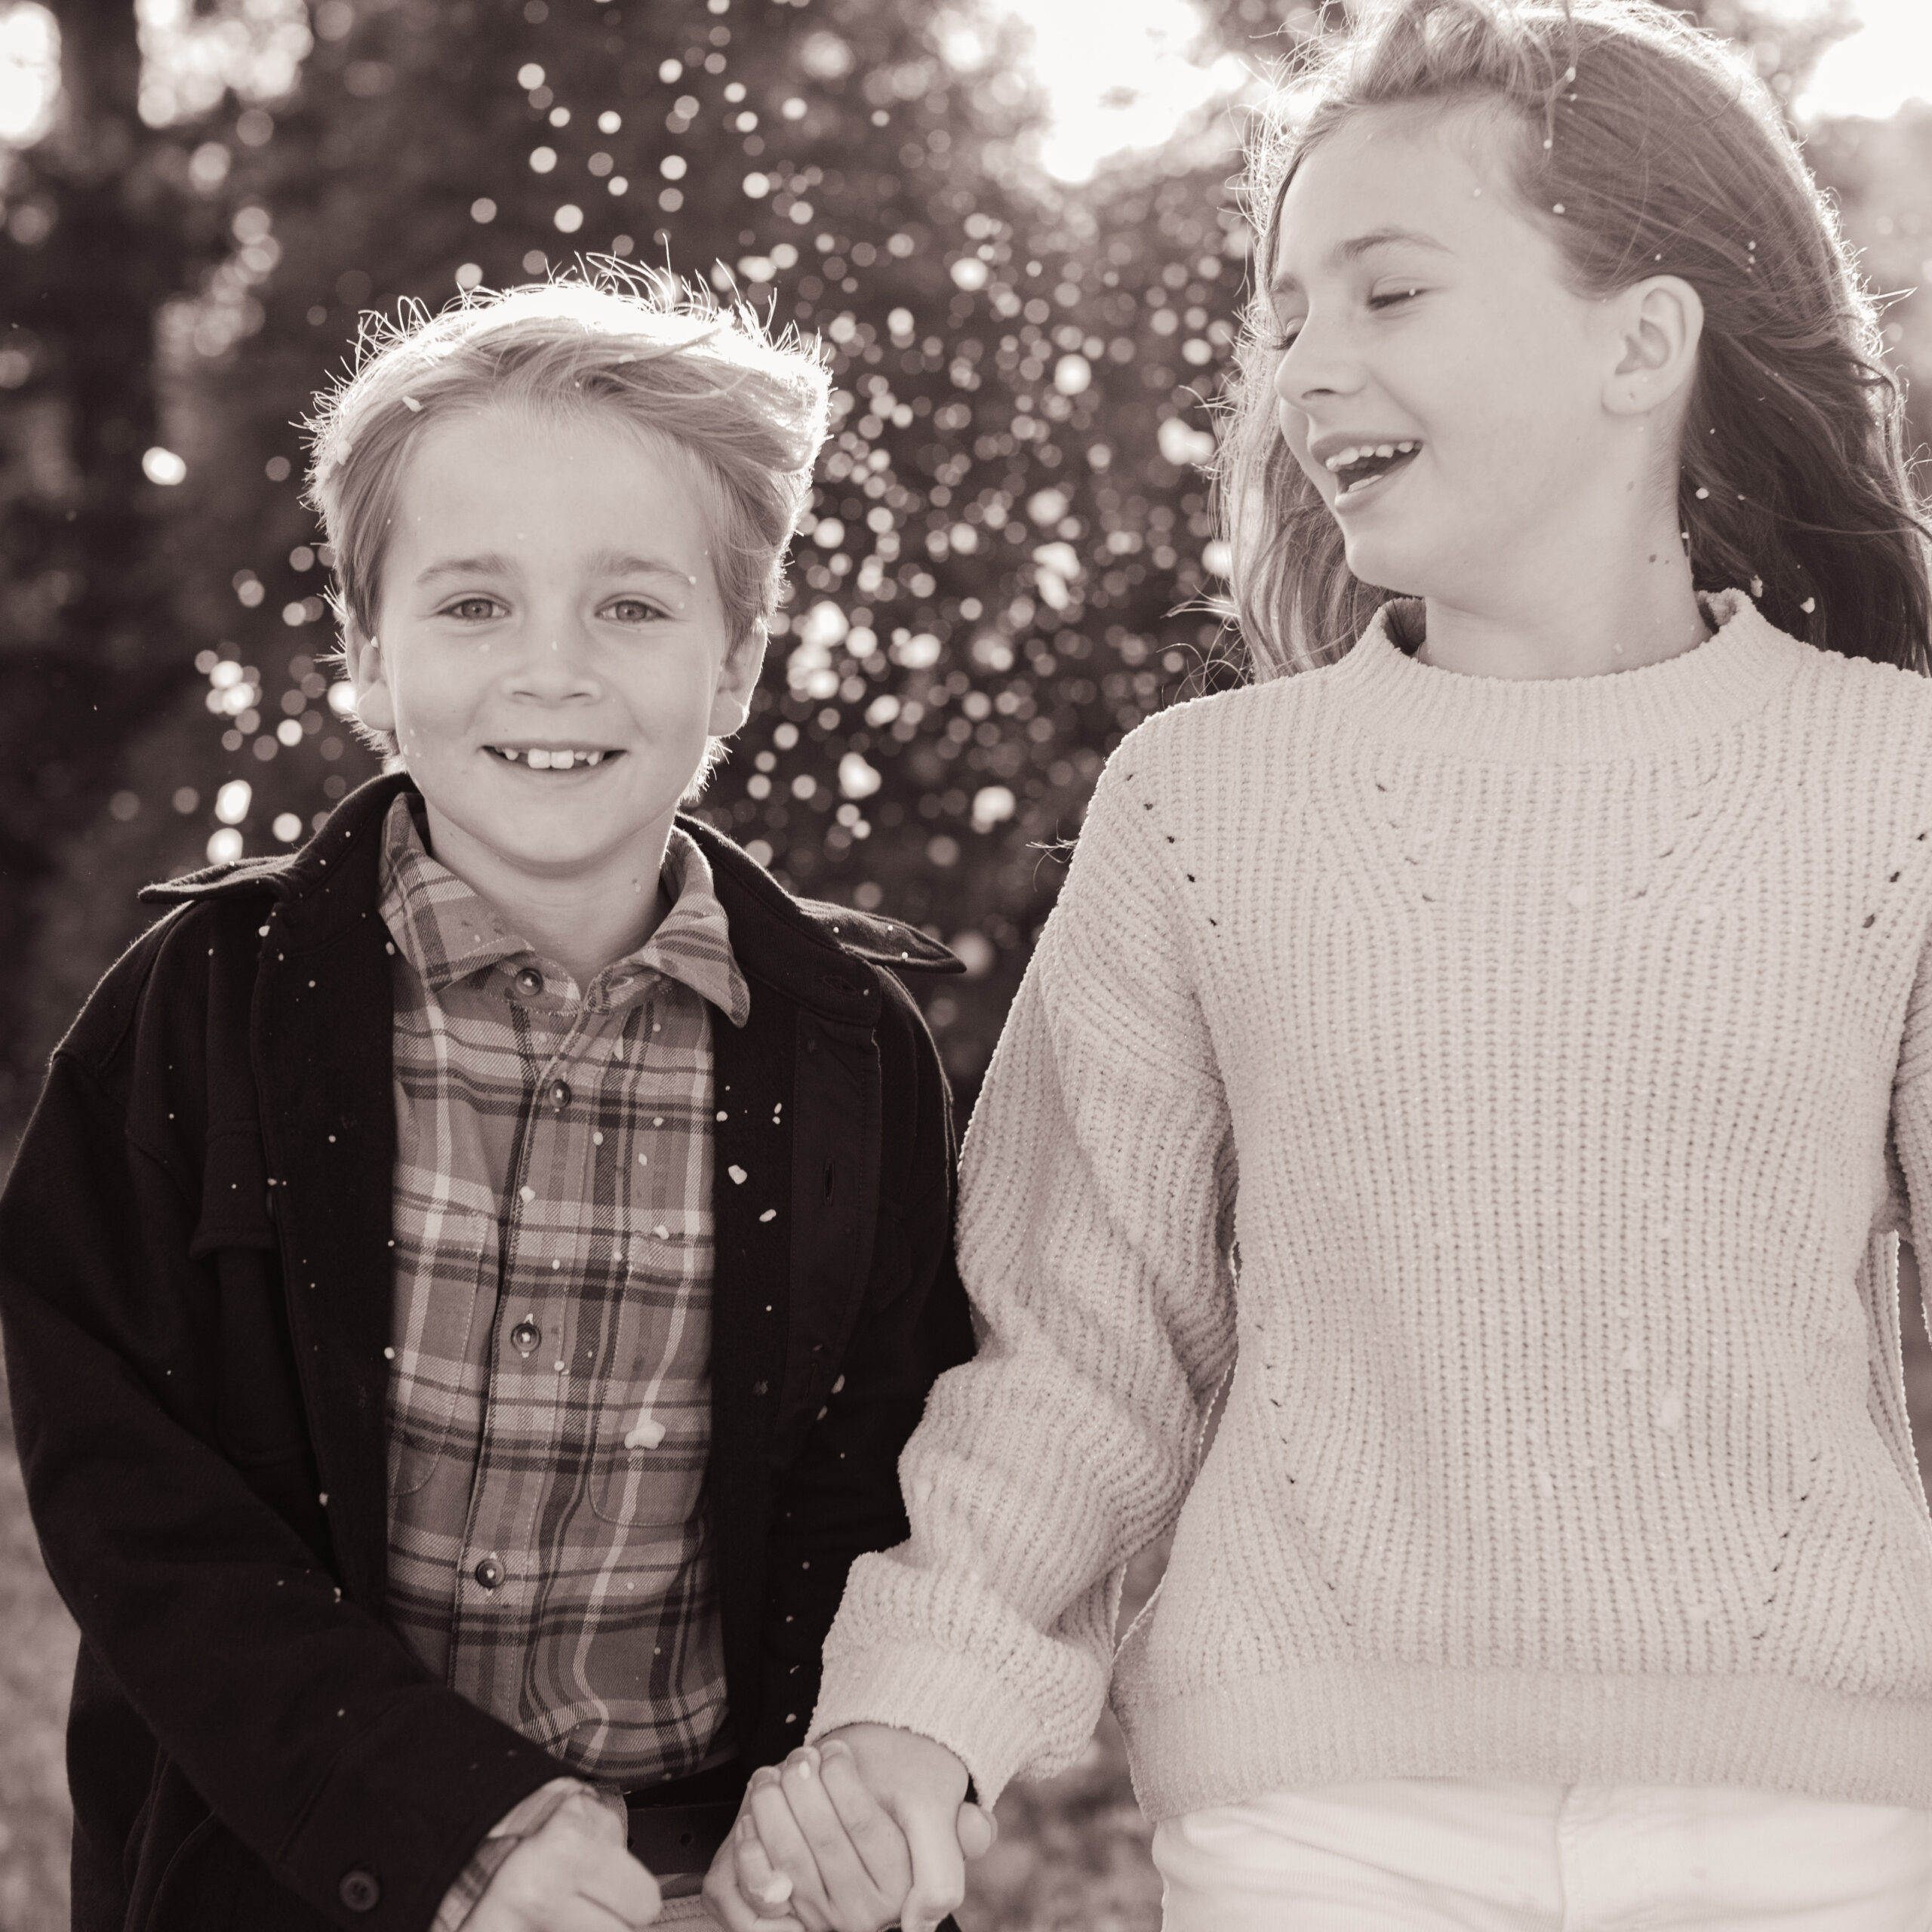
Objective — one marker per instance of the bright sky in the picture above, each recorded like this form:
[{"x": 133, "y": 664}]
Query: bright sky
[
  {"x": 1875, "y": 71},
  {"x": 1117, "y": 74}
]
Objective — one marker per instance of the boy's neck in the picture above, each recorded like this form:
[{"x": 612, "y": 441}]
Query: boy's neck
[{"x": 582, "y": 920}]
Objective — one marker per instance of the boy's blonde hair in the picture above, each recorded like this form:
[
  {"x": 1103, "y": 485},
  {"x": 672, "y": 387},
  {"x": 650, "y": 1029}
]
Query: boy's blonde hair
[{"x": 746, "y": 412}]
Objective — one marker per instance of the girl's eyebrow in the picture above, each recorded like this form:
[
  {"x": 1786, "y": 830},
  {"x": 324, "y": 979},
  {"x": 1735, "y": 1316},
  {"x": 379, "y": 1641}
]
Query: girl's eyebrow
[{"x": 1359, "y": 245}]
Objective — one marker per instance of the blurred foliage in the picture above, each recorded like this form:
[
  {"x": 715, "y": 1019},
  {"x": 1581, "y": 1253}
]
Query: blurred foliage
[{"x": 1009, "y": 561}]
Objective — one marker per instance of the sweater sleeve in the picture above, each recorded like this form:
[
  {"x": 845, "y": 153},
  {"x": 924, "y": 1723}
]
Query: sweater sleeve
[
  {"x": 1097, "y": 1185},
  {"x": 1910, "y": 1144}
]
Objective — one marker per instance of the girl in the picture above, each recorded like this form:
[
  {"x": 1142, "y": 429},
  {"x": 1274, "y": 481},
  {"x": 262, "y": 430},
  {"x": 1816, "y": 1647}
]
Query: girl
[{"x": 1501, "y": 1052}]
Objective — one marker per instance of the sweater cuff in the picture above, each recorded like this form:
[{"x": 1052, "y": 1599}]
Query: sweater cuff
[{"x": 938, "y": 1695}]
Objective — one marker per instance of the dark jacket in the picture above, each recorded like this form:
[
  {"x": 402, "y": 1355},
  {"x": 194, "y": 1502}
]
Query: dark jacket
[{"x": 195, "y": 1283}]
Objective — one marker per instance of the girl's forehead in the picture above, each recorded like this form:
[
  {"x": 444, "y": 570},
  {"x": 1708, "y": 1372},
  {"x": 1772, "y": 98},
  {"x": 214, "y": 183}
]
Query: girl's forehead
[{"x": 1431, "y": 175}]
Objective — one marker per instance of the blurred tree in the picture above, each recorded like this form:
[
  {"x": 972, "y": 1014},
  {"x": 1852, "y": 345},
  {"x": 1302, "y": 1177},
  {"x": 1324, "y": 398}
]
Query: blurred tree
[
  {"x": 1009, "y": 562},
  {"x": 95, "y": 236}
]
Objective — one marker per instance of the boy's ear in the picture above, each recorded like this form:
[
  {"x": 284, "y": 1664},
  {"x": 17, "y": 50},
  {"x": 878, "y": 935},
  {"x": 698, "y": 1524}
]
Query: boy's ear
[
  {"x": 374, "y": 704},
  {"x": 737, "y": 678},
  {"x": 1659, "y": 324}
]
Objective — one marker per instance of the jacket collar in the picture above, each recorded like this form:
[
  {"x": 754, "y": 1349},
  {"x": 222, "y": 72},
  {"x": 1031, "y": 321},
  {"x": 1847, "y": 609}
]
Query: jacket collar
[{"x": 807, "y": 948}]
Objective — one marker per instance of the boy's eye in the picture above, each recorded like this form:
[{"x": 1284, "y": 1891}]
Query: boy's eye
[
  {"x": 632, "y": 609},
  {"x": 472, "y": 610}
]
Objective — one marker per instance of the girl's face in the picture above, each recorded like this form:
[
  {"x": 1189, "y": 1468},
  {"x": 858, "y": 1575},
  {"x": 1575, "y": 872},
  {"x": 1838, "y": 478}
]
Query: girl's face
[{"x": 1439, "y": 382}]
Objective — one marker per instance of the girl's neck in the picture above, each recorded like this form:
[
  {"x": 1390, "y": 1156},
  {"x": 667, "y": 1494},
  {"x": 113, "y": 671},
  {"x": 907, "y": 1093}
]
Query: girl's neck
[{"x": 1614, "y": 618}]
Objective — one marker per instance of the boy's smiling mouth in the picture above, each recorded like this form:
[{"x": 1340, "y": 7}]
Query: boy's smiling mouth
[{"x": 553, "y": 757}]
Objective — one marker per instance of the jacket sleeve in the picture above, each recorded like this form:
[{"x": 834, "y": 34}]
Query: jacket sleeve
[
  {"x": 305, "y": 1725},
  {"x": 1097, "y": 1187},
  {"x": 840, "y": 1498}
]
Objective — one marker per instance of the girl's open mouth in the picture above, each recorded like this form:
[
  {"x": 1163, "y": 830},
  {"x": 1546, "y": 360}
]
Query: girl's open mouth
[
  {"x": 553, "y": 757},
  {"x": 1364, "y": 468}
]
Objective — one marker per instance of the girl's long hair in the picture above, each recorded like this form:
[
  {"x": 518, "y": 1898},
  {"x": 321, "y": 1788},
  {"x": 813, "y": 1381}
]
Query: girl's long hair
[{"x": 1668, "y": 159}]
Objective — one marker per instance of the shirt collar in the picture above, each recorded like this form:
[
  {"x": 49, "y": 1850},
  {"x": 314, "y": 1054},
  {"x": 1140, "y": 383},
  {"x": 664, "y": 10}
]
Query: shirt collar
[{"x": 448, "y": 931}]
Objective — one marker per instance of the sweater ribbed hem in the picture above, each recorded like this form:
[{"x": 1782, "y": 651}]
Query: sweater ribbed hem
[
  {"x": 1567, "y": 721},
  {"x": 938, "y": 1693},
  {"x": 1336, "y": 1723}
]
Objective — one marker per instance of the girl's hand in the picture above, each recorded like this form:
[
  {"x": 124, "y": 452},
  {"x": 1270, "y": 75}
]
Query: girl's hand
[{"x": 814, "y": 1849}]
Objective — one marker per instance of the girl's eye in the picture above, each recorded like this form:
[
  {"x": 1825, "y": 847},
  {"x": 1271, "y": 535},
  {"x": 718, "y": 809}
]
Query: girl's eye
[
  {"x": 1391, "y": 297},
  {"x": 472, "y": 610},
  {"x": 1282, "y": 337},
  {"x": 632, "y": 609}
]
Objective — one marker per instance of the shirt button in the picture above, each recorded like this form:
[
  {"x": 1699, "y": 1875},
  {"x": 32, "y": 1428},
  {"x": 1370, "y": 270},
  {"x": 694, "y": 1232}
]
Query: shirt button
[
  {"x": 489, "y": 1572},
  {"x": 526, "y": 1335},
  {"x": 529, "y": 981},
  {"x": 360, "y": 1890},
  {"x": 560, "y": 1093}
]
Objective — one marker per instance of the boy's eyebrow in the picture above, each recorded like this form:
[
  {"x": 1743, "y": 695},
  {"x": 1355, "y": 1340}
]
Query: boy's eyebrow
[
  {"x": 1359, "y": 245},
  {"x": 624, "y": 563},
  {"x": 600, "y": 563},
  {"x": 488, "y": 565}
]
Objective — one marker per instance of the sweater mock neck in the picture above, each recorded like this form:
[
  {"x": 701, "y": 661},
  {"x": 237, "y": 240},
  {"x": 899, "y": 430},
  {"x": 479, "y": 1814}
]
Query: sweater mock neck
[{"x": 1566, "y": 721}]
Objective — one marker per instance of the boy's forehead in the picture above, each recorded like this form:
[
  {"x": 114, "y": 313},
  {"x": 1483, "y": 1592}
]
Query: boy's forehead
[{"x": 497, "y": 492}]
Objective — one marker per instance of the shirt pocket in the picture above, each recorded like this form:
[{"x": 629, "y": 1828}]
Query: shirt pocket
[
  {"x": 436, "y": 1388},
  {"x": 652, "y": 1441},
  {"x": 636, "y": 1486}
]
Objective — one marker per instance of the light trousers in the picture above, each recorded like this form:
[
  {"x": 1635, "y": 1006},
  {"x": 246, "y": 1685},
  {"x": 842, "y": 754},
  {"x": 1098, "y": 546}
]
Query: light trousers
[{"x": 1418, "y": 1854}]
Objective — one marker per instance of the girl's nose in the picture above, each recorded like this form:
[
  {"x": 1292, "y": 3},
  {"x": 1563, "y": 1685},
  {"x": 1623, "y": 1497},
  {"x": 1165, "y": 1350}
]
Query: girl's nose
[{"x": 1314, "y": 365}]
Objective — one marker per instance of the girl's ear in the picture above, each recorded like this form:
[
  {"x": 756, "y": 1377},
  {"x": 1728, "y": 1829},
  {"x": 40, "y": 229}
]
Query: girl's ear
[
  {"x": 1659, "y": 324},
  {"x": 374, "y": 703},
  {"x": 737, "y": 678}
]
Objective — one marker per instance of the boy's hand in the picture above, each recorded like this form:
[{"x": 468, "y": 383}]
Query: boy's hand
[
  {"x": 573, "y": 1875},
  {"x": 816, "y": 1848}
]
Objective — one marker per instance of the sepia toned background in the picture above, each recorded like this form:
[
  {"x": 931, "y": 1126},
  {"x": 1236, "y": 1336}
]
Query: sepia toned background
[{"x": 1014, "y": 226}]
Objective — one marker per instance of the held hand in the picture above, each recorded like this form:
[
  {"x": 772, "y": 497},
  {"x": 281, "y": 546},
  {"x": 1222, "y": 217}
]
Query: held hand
[
  {"x": 921, "y": 1786},
  {"x": 814, "y": 1849},
  {"x": 573, "y": 1875}
]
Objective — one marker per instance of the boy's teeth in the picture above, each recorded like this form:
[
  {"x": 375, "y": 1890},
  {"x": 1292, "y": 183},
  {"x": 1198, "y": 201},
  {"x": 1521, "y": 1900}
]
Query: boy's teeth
[{"x": 542, "y": 760}]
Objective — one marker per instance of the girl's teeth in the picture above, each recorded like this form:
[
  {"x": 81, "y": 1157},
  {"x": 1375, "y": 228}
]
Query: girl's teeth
[{"x": 540, "y": 759}]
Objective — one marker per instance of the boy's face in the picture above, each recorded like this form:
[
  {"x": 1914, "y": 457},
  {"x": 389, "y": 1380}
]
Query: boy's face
[{"x": 550, "y": 652}]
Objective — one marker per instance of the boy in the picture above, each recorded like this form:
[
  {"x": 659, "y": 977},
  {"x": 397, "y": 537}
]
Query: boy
[{"x": 467, "y": 1285}]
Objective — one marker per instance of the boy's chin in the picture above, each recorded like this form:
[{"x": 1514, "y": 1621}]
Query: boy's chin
[{"x": 558, "y": 836}]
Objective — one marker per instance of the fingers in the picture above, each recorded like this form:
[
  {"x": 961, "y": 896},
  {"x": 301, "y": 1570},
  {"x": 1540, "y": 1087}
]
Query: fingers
[
  {"x": 769, "y": 1889},
  {"x": 856, "y": 1896},
  {"x": 784, "y": 1844},
  {"x": 939, "y": 1871},
  {"x": 977, "y": 1830},
  {"x": 725, "y": 1896},
  {"x": 609, "y": 1877},
  {"x": 573, "y": 1874},
  {"x": 880, "y": 1845}
]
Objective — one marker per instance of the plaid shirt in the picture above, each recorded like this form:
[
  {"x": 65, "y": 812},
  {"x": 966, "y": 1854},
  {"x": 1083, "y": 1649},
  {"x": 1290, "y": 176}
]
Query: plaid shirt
[{"x": 549, "y": 1403}]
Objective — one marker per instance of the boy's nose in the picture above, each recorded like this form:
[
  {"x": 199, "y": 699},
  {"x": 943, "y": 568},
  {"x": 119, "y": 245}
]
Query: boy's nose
[{"x": 557, "y": 665}]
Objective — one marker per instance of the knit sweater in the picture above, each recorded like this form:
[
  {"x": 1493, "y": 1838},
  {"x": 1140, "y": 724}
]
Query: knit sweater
[{"x": 1499, "y": 1080}]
